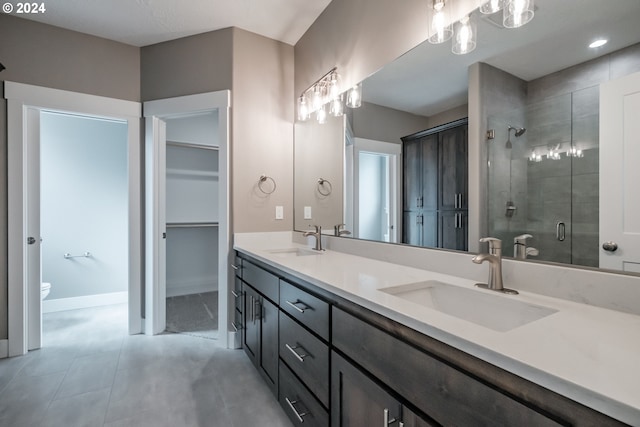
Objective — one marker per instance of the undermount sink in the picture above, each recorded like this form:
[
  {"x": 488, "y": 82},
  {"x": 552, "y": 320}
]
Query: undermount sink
[
  {"x": 293, "y": 252},
  {"x": 492, "y": 311}
]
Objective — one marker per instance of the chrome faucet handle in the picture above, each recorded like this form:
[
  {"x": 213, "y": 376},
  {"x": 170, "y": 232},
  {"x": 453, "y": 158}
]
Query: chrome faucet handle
[
  {"x": 532, "y": 252},
  {"x": 495, "y": 245},
  {"x": 522, "y": 239},
  {"x": 339, "y": 230}
]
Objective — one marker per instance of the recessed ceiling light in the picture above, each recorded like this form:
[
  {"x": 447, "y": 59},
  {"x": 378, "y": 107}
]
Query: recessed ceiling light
[{"x": 598, "y": 43}]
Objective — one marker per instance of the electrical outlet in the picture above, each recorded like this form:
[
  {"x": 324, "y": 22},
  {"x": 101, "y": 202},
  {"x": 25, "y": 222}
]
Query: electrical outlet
[
  {"x": 279, "y": 212},
  {"x": 307, "y": 212}
]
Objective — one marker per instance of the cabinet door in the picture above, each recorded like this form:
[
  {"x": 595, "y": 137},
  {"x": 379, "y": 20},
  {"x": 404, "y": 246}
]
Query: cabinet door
[
  {"x": 269, "y": 343},
  {"x": 430, "y": 229},
  {"x": 412, "y": 175},
  {"x": 430, "y": 176},
  {"x": 412, "y": 228},
  {"x": 453, "y": 168},
  {"x": 453, "y": 230},
  {"x": 411, "y": 419},
  {"x": 251, "y": 324},
  {"x": 358, "y": 401}
]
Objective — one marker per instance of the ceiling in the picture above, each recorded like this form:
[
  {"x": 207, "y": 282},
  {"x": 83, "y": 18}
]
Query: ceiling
[
  {"x": 145, "y": 22},
  {"x": 430, "y": 79}
]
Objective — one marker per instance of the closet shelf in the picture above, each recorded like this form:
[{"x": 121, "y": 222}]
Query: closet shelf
[
  {"x": 191, "y": 172},
  {"x": 192, "y": 145},
  {"x": 191, "y": 224}
]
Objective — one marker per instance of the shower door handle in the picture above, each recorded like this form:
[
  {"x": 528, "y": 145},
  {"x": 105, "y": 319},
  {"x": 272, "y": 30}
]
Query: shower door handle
[{"x": 560, "y": 231}]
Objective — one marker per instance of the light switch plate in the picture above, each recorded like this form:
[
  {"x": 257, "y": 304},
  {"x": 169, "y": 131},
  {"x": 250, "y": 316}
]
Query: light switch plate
[
  {"x": 307, "y": 212},
  {"x": 279, "y": 212}
]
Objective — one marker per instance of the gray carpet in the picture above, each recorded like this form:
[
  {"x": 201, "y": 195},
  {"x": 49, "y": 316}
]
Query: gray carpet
[{"x": 195, "y": 315}]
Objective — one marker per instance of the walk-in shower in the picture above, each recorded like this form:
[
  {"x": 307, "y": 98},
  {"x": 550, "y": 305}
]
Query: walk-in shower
[{"x": 543, "y": 175}]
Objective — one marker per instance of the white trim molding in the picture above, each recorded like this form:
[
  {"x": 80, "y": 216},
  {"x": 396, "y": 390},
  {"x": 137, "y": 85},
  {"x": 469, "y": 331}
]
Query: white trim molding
[
  {"x": 86, "y": 301},
  {"x": 22, "y": 98}
]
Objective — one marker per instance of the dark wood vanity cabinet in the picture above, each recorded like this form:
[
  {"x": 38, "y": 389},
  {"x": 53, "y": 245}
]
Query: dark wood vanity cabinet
[
  {"x": 332, "y": 362},
  {"x": 260, "y": 323},
  {"x": 435, "y": 187}
]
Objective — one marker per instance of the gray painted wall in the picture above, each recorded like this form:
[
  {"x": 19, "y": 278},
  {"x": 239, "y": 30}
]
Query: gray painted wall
[
  {"x": 380, "y": 123},
  {"x": 259, "y": 72},
  {"x": 44, "y": 55}
]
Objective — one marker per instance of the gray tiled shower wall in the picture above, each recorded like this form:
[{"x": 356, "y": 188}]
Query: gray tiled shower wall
[{"x": 562, "y": 110}]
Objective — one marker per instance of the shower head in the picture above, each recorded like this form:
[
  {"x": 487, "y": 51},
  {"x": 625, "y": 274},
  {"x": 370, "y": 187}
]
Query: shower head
[{"x": 518, "y": 132}]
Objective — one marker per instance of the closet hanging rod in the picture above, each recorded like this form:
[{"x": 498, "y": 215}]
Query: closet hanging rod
[
  {"x": 191, "y": 224},
  {"x": 191, "y": 145}
]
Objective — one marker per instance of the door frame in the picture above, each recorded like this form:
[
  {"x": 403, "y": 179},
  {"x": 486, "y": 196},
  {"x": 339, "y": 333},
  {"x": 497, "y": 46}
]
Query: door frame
[
  {"x": 155, "y": 292},
  {"x": 394, "y": 152},
  {"x": 24, "y": 102}
]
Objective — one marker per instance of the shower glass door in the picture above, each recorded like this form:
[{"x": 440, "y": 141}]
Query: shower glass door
[{"x": 543, "y": 177}]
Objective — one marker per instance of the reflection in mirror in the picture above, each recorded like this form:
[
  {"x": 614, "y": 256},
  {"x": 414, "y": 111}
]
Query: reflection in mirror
[
  {"x": 544, "y": 143},
  {"x": 318, "y": 192}
]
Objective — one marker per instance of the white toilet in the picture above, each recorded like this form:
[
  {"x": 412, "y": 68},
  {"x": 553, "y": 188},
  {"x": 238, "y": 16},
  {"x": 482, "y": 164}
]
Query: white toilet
[{"x": 45, "y": 289}]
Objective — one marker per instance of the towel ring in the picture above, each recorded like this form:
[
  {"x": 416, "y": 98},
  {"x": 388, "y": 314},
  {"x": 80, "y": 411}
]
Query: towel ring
[
  {"x": 264, "y": 178},
  {"x": 321, "y": 185}
]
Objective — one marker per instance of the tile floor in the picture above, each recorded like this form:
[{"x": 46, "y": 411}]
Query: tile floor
[{"x": 91, "y": 373}]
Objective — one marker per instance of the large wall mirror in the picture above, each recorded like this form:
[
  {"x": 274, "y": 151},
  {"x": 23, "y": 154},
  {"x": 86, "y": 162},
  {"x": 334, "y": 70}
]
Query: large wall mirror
[{"x": 549, "y": 125}]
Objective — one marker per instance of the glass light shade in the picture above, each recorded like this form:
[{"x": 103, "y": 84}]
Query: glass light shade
[
  {"x": 517, "y": 13},
  {"x": 336, "y": 108},
  {"x": 333, "y": 87},
  {"x": 464, "y": 40},
  {"x": 354, "y": 96},
  {"x": 491, "y": 6},
  {"x": 303, "y": 108},
  {"x": 317, "y": 99},
  {"x": 321, "y": 115},
  {"x": 440, "y": 28}
]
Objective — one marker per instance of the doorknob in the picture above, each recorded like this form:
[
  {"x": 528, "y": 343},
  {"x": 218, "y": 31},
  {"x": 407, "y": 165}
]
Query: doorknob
[
  {"x": 610, "y": 246},
  {"x": 31, "y": 240}
]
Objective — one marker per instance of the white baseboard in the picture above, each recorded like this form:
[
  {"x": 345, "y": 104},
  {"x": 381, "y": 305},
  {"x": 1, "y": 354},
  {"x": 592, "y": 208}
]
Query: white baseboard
[
  {"x": 196, "y": 288},
  {"x": 73, "y": 303},
  {"x": 4, "y": 349}
]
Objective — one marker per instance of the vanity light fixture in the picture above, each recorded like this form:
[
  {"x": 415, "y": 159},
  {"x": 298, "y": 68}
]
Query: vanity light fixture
[
  {"x": 517, "y": 13},
  {"x": 575, "y": 152},
  {"x": 327, "y": 90},
  {"x": 598, "y": 43},
  {"x": 440, "y": 28},
  {"x": 464, "y": 40}
]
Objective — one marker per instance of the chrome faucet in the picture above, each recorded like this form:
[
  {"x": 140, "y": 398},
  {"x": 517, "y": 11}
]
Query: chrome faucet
[
  {"x": 520, "y": 249},
  {"x": 494, "y": 258},
  {"x": 318, "y": 235},
  {"x": 339, "y": 230}
]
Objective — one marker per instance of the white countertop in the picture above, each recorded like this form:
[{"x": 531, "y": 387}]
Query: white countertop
[{"x": 586, "y": 353}]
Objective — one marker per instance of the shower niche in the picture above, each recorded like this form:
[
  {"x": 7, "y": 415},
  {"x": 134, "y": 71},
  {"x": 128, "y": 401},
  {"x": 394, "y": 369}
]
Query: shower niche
[{"x": 543, "y": 176}]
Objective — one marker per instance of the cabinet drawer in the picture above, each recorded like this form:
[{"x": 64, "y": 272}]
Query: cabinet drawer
[
  {"x": 298, "y": 403},
  {"x": 263, "y": 281},
  {"x": 309, "y": 310},
  {"x": 306, "y": 355},
  {"x": 439, "y": 390}
]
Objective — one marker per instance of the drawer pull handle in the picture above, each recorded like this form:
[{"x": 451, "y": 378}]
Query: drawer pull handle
[
  {"x": 387, "y": 421},
  {"x": 294, "y": 305},
  {"x": 235, "y": 267},
  {"x": 298, "y": 356},
  {"x": 299, "y": 415},
  {"x": 236, "y": 294},
  {"x": 237, "y": 328}
]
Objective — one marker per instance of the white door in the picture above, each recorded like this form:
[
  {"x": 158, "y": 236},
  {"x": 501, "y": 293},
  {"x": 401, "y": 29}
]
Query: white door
[
  {"x": 33, "y": 260},
  {"x": 620, "y": 174},
  {"x": 156, "y": 225}
]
